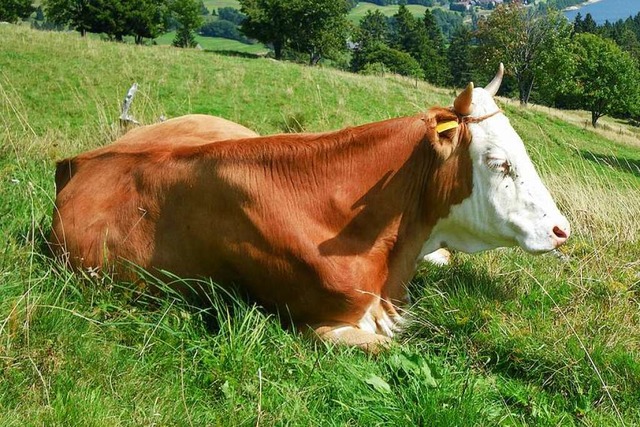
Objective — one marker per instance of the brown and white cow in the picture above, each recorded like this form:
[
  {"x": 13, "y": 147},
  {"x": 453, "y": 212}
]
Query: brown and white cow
[{"x": 326, "y": 227}]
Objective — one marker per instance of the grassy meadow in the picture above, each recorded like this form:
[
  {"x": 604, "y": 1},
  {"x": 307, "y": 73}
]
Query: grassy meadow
[
  {"x": 500, "y": 338},
  {"x": 217, "y": 44}
]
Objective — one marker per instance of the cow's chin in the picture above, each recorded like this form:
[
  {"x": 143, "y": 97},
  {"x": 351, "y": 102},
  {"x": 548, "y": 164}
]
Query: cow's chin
[{"x": 537, "y": 246}]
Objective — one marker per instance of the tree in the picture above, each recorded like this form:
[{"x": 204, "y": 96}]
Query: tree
[
  {"x": 80, "y": 15},
  {"x": 225, "y": 29},
  {"x": 394, "y": 61},
  {"x": 412, "y": 36},
  {"x": 407, "y": 34},
  {"x": 315, "y": 27},
  {"x": 187, "y": 14},
  {"x": 434, "y": 61},
  {"x": 267, "y": 21},
  {"x": 146, "y": 19},
  {"x": 517, "y": 36},
  {"x": 372, "y": 31},
  {"x": 13, "y": 10},
  {"x": 373, "y": 27},
  {"x": 231, "y": 14},
  {"x": 115, "y": 18},
  {"x": 460, "y": 57},
  {"x": 586, "y": 25},
  {"x": 320, "y": 28},
  {"x": 605, "y": 78}
]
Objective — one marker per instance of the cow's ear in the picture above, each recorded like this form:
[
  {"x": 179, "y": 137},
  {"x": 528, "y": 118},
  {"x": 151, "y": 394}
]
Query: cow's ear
[{"x": 444, "y": 132}]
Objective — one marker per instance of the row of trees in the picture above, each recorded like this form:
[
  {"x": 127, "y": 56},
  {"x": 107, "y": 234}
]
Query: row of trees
[
  {"x": 317, "y": 28},
  {"x": 548, "y": 60},
  {"x": 403, "y": 45},
  {"x": 554, "y": 63},
  {"x": 141, "y": 19},
  {"x": 14, "y": 10}
]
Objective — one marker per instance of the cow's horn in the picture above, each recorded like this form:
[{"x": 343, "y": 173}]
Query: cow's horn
[
  {"x": 493, "y": 87},
  {"x": 462, "y": 104}
]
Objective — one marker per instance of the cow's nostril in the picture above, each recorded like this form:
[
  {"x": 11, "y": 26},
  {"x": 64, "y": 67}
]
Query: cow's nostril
[{"x": 561, "y": 234}]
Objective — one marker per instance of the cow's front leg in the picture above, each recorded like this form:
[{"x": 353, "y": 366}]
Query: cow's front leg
[
  {"x": 372, "y": 332},
  {"x": 352, "y": 336}
]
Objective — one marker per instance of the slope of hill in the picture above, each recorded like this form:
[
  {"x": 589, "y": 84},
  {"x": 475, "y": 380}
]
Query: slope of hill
[{"x": 502, "y": 338}]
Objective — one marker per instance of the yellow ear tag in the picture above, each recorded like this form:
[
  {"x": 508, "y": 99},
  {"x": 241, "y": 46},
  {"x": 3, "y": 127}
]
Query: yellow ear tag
[{"x": 444, "y": 126}]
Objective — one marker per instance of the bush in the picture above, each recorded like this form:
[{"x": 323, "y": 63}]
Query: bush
[{"x": 225, "y": 29}]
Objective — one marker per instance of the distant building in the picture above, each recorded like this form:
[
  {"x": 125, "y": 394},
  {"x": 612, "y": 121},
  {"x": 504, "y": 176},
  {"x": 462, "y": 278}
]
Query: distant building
[{"x": 462, "y": 6}]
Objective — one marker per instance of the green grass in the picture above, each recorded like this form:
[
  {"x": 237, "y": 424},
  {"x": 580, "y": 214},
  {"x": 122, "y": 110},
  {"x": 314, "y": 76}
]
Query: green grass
[
  {"x": 502, "y": 338},
  {"x": 217, "y": 4},
  {"x": 358, "y": 12},
  {"x": 217, "y": 44}
]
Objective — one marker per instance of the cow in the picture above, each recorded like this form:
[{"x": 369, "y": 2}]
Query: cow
[
  {"x": 325, "y": 227},
  {"x": 198, "y": 129}
]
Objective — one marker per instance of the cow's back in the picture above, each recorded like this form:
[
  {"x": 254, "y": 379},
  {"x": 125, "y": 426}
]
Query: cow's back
[
  {"x": 99, "y": 194},
  {"x": 192, "y": 129}
]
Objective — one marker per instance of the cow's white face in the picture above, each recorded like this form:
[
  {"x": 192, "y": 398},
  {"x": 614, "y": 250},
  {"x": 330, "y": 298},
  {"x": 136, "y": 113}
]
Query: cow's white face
[{"x": 509, "y": 205}]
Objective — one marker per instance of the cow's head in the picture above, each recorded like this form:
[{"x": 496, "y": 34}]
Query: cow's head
[{"x": 509, "y": 205}]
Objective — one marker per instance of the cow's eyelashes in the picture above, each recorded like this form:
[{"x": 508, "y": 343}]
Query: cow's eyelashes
[{"x": 499, "y": 165}]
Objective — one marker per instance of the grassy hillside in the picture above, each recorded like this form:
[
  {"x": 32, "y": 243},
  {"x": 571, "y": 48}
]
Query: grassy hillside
[
  {"x": 216, "y": 44},
  {"x": 502, "y": 338}
]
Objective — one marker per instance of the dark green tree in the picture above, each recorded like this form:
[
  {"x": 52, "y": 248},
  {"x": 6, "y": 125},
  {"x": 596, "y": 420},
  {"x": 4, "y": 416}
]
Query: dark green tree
[
  {"x": 320, "y": 28},
  {"x": 460, "y": 56},
  {"x": 586, "y": 25},
  {"x": 517, "y": 36},
  {"x": 629, "y": 42},
  {"x": 605, "y": 79},
  {"x": 423, "y": 41},
  {"x": 146, "y": 19},
  {"x": 372, "y": 31},
  {"x": 13, "y": 10},
  {"x": 317, "y": 28},
  {"x": 268, "y": 21},
  {"x": 382, "y": 58},
  {"x": 115, "y": 18},
  {"x": 187, "y": 15},
  {"x": 407, "y": 34},
  {"x": 231, "y": 14},
  {"x": 80, "y": 15},
  {"x": 434, "y": 59},
  {"x": 203, "y": 9},
  {"x": 373, "y": 27}
]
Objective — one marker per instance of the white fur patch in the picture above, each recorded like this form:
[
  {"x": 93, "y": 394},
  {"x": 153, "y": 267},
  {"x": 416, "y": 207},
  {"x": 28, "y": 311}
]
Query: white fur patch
[
  {"x": 376, "y": 320},
  {"x": 439, "y": 257}
]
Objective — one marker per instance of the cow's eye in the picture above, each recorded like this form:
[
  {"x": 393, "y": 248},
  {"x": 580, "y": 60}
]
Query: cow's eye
[{"x": 498, "y": 164}]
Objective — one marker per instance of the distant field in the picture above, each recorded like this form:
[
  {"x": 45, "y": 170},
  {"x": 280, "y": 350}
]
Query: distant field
[
  {"x": 215, "y": 4},
  {"x": 362, "y": 8},
  {"x": 217, "y": 43},
  {"x": 354, "y": 16}
]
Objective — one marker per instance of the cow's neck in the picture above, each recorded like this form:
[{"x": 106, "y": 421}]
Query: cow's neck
[
  {"x": 419, "y": 193},
  {"x": 405, "y": 187}
]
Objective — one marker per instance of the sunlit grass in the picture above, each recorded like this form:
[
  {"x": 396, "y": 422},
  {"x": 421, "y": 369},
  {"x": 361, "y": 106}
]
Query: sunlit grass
[{"x": 502, "y": 338}]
